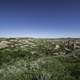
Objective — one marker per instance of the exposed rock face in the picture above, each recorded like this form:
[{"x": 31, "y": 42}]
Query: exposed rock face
[
  {"x": 4, "y": 44},
  {"x": 57, "y": 47}
]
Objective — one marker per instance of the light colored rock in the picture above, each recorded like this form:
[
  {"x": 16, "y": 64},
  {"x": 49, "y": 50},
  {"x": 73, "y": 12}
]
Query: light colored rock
[
  {"x": 4, "y": 44},
  {"x": 57, "y": 47}
]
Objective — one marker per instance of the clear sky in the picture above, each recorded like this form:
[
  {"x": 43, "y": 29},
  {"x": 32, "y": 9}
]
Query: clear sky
[{"x": 40, "y": 18}]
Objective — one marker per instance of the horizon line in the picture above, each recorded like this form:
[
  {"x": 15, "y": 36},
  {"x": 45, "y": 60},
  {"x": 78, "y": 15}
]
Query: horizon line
[{"x": 38, "y": 37}]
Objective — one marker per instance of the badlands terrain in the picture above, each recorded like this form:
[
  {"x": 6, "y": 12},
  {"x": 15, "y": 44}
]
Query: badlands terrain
[{"x": 39, "y": 59}]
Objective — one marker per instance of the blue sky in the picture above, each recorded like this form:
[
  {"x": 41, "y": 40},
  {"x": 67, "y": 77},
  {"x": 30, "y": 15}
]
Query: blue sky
[{"x": 40, "y": 18}]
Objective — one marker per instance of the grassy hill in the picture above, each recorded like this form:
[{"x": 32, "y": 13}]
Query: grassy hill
[{"x": 39, "y": 59}]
